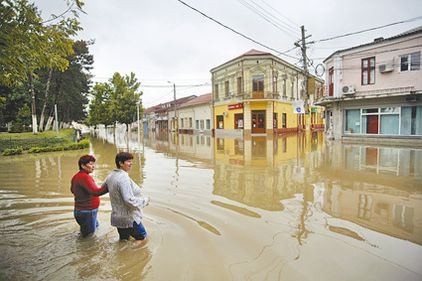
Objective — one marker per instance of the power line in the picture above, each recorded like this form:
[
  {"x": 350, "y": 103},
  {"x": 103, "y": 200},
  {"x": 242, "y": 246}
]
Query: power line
[
  {"x": 366, "y": 30},
  {"x": 294, "y": 26},
  {"x": 269, "y": 17},
  {"x": 235, "y": 31},
  {"x": 61, "y": 15},
  {"x": 179, "y": 86}
]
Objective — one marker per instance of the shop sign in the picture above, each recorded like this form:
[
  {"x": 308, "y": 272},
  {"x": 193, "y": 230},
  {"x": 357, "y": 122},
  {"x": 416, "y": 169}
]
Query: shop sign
[{"x": 235, "y": 106}]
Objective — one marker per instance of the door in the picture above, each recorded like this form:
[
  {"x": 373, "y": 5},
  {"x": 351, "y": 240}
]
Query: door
[
  {"x": 372, "y": 124},
  {"x": 258, "y": 121}
]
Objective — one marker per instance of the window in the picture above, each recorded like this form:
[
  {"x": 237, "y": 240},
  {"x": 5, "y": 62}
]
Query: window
[
  {"x": 197, "y": 124},
  {"x": 182, "y": 123},
  {"x": 226, "y": 88},
  {"x": 220, "y": 122},
  {"x": 284, "y": 120},
  {"x": 208, "y": 124},
  {"x": 216, "y": 91},
  {"x": 284, "y": 88},
  {"x": 410, "y": 62},
  {"x": 292, "y": 90},
  {"x": 258, "y": 83},
  {"x": 238, "y": 121},
  {"x": 275, "y": 120},
  {"x": 411, "y": 120},
  {"x": 368, "y": 71},
  {"x": 239, "y": 85},
  {"x": 331, "y": 82},
  {"x": 353, "y": 121},
  {"x": 190, "y": 122}
]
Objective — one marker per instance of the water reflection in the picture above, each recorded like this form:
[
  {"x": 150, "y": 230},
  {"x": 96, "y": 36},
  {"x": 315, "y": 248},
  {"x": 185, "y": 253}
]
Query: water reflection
[{"x": 237, "y": 209}]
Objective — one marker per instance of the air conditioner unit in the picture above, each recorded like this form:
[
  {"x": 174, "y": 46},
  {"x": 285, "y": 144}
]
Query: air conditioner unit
[
  {"x": 348, "y": 90},
  {"x": 385, "y": 68}
]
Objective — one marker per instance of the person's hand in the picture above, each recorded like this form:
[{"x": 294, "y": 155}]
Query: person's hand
[{"x": 146, "y": 201}]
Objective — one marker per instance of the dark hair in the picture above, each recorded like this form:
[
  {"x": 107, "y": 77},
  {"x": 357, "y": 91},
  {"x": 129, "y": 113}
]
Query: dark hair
[
  {"x": 122, "y": 157},
  {"x": 85, "y": 160}
]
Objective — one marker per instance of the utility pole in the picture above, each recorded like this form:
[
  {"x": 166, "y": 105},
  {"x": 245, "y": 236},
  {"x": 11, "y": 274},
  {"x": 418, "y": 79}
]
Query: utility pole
[
  {"x": 176, "y": 123},
  {"x": 302, "y": 46}
]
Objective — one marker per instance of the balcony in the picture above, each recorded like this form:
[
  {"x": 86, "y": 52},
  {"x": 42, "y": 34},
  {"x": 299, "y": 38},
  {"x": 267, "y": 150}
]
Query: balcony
[{"x": 260, "y": 95}]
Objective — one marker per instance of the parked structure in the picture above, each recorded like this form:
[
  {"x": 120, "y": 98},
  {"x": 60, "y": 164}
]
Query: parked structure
[
  {"x": 194, "y": 116},
  {"x": 374, "y": 91},
  {"x": 258, "y": 92}
]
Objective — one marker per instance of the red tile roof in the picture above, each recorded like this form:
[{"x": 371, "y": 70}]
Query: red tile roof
[
  {"x": 254, "y": 52},
  {"x": 202, "y": 99}
]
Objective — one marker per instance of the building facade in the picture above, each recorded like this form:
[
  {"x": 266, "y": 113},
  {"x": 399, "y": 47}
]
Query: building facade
[
  {"x": 374, "y": 91},
  {"x": 195, "y": 115},
  {"x": 259, "y": 93}
]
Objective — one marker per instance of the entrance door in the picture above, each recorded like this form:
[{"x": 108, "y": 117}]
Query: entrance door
[
  {"x": 372, "y": 124},
  {"x": 258, "y": 121}
]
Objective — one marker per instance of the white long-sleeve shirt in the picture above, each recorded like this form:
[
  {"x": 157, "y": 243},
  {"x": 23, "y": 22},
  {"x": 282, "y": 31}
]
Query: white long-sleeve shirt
[{"x": 126, "y": 200}]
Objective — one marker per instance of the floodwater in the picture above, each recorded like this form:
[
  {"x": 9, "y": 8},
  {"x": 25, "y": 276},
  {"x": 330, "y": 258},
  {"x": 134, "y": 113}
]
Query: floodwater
[{"x": 282, "y": 208}]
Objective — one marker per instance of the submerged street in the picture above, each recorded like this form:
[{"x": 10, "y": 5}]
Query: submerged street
[{"x": 282, "y": 208}]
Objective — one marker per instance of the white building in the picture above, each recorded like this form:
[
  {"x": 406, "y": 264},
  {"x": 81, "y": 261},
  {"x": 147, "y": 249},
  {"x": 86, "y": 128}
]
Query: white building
[
  {"x": 195, "y": 115},
  {"x": 374, "y": 91}
]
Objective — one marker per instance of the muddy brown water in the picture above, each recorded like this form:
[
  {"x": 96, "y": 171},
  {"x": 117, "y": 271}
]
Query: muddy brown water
[{"x": 283, "y": 208}]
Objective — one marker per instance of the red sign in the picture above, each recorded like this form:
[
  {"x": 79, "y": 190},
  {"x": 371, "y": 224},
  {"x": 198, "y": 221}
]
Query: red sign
[{"x": 236, "y": 106}]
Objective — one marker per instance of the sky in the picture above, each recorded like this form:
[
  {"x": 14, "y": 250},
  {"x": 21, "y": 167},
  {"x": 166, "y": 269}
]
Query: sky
[{"x": 164, "y": 42}]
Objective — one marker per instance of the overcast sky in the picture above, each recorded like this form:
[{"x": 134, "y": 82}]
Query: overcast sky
[{"x": 163, "y": 40}]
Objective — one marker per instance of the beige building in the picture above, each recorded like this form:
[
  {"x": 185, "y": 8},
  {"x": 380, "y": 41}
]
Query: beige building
[
  {"x": 374, "y": 91},
  {"x": 259, "y": 93}
]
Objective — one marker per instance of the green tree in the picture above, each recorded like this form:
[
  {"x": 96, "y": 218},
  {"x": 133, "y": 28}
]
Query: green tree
[
  {"x": 115, "y": 101},
  {"x": 100, "y": 107},
  {"x": 27, "y": 45},
  {"x": 124, "y": 97},
  {"x": 69, "y": 88}
]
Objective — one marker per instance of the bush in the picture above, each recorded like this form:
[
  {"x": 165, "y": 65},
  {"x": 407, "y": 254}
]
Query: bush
[
  {"x": 69, "y": 146},
  {"x": 12, "y": 151}
]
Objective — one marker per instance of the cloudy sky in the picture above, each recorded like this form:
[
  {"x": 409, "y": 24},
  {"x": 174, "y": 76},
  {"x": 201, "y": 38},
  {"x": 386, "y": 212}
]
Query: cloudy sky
[{"x": 163, "y": 40}]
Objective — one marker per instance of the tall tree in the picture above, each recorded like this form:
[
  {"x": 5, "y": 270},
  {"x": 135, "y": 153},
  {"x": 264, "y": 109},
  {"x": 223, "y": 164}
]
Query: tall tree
[
  {"x": 27, "y": 45},
  {"x": 70, "y": 88},
  {"x": 115, "y": 101}
]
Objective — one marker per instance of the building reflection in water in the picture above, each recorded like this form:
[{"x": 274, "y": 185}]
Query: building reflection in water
[{"x": 378, "y": 188}]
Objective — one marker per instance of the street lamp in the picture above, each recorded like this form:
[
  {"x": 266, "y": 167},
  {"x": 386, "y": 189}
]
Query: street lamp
[{"x": 175, "y": 107}]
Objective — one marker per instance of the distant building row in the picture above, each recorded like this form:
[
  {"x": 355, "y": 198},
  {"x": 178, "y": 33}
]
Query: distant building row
[
  {"x": 373, "y": 93},
  {"x": 255, "y": 93}
]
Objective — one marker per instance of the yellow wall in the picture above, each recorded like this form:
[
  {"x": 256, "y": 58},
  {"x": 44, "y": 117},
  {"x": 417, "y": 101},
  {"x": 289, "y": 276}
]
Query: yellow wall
[
  {"x": 229, "y": 118},
  {"x": 287, "y": 108},
  {"x": 259, "y": 105}
]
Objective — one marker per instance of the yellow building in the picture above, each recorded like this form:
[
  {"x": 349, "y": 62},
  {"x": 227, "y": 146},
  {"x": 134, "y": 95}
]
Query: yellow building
[{"x": 258, "y": 93}]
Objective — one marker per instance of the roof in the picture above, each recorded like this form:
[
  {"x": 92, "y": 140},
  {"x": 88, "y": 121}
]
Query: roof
[
  {"x": 252, "y": 53},
  {"x": 257, "y": 53},
  {"x": 151, "y": 109},
  {"x": 379, "y": 40},
  {"x": 202, "y": 99}
]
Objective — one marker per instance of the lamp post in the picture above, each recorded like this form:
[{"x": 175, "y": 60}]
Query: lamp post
[
  {"x": 176, "y": 125},
  {"x": 138, "y": 104}
]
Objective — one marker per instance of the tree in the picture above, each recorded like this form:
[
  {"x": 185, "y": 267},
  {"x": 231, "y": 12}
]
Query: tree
[
  {"x": 125, "y": 97},
  {"x": 26, "y": 45},
  {"x": 100, "y": 107},
  {"x": 115, "y": 101},
  {"x": 70, "y": 87}
]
